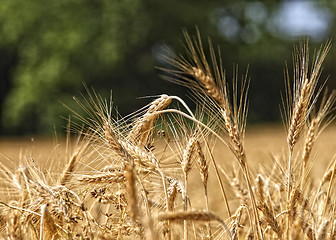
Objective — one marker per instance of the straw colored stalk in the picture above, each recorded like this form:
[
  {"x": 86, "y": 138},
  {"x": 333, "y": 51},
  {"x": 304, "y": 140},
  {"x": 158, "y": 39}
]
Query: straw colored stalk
[
  {"x": 144, "y": 125},
  {"x": 150, "y": 232},
  {"x": 295, "y": 234},
  {"x": 136, "y": 153},
  {"x": 21, "y": 179}
]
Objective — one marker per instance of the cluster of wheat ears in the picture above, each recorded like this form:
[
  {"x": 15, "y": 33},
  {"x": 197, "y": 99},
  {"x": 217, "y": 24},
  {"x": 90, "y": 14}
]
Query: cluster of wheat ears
[{"x": 128, "y": 177}]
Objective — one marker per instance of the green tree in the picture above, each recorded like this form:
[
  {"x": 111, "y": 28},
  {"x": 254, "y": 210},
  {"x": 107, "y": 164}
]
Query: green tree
[
  {"x": 55, "y": 46},
  {"x": 107, "y": 44}
]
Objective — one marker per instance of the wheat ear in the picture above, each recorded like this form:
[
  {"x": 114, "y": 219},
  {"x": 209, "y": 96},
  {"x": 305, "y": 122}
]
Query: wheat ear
[
  {"x": 271, "y": 221},
  {"x": 322, "y": 231},
  {"x": 131, "y": 191},
  {"x": 186, "y": 167},
  {"x": 204, "y": 171},
  {"x": 66, "y": 176},
  {"x": 115, "y": 144},
  {"x": 108, "y": 177},
  {"x": 329, "y": 188},
  {"x": 143, "y": 125},
  {"x": 303, "y": 97},
  {"x": 315, "y": 128},
  {"x": 193, "y": 216},
  {"x": 303, "y": 101},
  {"x": 48, "y": 228}
]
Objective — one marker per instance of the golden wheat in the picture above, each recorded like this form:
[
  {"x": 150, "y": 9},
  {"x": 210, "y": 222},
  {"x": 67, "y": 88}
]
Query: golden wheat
[{"x": 134, "y": 177}]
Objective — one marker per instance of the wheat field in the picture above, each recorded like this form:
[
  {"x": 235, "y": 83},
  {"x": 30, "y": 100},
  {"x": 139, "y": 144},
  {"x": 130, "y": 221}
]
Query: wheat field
[{"x": 167, "y": 172}]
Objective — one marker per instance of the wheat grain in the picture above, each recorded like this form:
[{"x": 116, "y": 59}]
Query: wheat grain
[
  {"x": 143, "y": 126},
  {"x": 192, "y": 216},
  {"x": 131, "y": 192},
  {"x": 271, "y": 221},
  {"x": 66, "y": 176},
  {"x": 48, "y": 228},
  {"x": 107, "y": 177}
]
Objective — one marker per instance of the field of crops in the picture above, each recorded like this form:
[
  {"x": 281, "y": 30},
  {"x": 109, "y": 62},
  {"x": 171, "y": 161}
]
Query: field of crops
[
  {"x": 166, "y": 172},
  {"x": 262, "y": 142}
]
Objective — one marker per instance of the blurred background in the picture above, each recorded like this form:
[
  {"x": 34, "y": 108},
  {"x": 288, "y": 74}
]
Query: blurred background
[{"x": 48, "y": 49}]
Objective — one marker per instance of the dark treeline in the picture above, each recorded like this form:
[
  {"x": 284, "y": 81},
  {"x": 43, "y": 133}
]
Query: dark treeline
[{"x": 49, "y": 49}]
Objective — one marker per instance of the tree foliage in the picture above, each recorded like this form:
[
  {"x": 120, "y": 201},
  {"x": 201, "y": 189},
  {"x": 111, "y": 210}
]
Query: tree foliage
[{"x": 55, "y": 46}]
